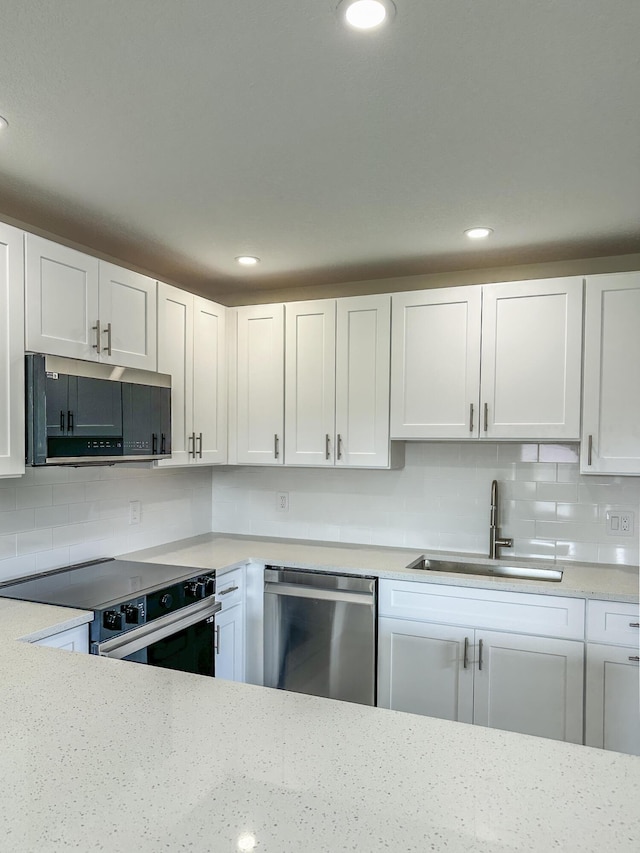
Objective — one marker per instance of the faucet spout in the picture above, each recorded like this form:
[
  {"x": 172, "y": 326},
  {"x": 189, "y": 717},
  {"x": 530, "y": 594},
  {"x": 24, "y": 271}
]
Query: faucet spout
[{"x": 495, "y": 541}]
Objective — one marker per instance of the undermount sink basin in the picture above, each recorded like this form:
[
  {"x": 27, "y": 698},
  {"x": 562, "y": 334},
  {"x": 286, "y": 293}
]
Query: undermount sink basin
[{"x": 494, "y": 570}]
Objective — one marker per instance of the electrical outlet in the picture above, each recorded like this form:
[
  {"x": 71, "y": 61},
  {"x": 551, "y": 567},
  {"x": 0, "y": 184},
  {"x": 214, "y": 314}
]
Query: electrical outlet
[
  {"x": 135, "y": 512},
  {"x": 282, "y": 501},
  {"x": 620, "y": 523}
]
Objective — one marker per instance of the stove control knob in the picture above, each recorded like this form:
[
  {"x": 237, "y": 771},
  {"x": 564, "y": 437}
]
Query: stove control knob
[
  {"x": 166, "y": 601},
  {"x": 112, "y": 620},
  {"x": 194, "y": 589},
  {"x": 209, "y": 584},
  {"x": 131, "y": 614}
]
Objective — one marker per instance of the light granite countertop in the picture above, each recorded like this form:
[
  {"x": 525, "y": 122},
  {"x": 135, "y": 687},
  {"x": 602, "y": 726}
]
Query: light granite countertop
[
  {"x": 99, "y": 754},
  {"x": 220, "y": 551}
]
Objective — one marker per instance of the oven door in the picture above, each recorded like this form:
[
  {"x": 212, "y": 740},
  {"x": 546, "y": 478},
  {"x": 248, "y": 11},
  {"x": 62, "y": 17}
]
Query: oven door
[{"x": 182, "y": 640}]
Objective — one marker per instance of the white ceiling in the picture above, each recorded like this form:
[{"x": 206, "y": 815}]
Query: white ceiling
[{"x": 177, "y": 135}]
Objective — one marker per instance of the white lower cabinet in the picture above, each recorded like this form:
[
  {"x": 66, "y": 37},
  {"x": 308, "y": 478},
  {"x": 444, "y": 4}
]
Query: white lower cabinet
[
  {"x": 612, "y": 704},
  {"x": 230, "y": 626},
  {"x": 72, "y": 640},
  {"x": 525, "y": 683}
]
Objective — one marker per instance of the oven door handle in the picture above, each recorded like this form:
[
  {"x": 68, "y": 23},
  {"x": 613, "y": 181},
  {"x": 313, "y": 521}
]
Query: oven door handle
[{"x": 139, "y": 638}]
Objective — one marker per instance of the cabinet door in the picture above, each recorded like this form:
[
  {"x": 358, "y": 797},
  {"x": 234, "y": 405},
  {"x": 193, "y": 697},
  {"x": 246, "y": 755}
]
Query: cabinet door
[
  {"x": 435, "y": 363},
  {"x": 422, "y": 668},
  {"x": 61, "y": 300},
  {"x": 531, "y": 359},
  {"x": 310, "y": 368},
  {"x": 611, "y": 407},
  {"x": 11, "y": 352},
  {"x": 532, "y": 685},
  {"x": 175, "y": 356},
  {"x": 612, "y": 711},
  {"x": 209, "y": 381},
  {"x": 229, "y": 662},
  {"x": 128, "y": 304},
  {"x": 72, "y": 640},
  {"x": 363, "y": 337},
  {"x": 260, "y": 385}
]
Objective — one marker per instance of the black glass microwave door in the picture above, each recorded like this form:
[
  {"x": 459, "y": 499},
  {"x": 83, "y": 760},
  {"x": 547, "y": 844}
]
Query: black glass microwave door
[
  {"x": 57, "y": 396},
  {"x": 146, "y": 419},
  {"x": 96, "y": 407}
]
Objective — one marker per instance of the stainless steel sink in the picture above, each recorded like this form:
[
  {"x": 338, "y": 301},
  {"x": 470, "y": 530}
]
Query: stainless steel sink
[{"x": 494, "y": 570}]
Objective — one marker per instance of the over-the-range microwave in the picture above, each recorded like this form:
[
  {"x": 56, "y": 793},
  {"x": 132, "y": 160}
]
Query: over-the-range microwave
[{"x": 87, "y": 413}]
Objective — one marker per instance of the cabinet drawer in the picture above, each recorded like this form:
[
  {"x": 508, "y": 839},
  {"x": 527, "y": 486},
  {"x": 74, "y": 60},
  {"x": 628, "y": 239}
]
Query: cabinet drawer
[
  {"x": 613, "y": 622},
  {"x": 523, "y": 613},
  {"x": 71, "y": 640},
  {"x": 230, "y": 588}
]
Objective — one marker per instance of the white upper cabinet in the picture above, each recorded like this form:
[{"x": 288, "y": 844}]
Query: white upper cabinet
[
  {"x": 435, "y": 364},
  {"x": 80, "y": 307},
  {"x": 362, "y": 381},
  {"x": 127, "y": 312},
  {"x": 192, "y": 349},
  {"x": 61, "y": 300},
  {"x": 611, "y": 397},
  {"x": 531, "y": 359},
  {"x": 501, "y": 361},
  {"x": 337, "y": 382},
  {"x": 11, "y": 352},
  {"x": 310, "y": 373},
  {"x": 259, "y": 385}
]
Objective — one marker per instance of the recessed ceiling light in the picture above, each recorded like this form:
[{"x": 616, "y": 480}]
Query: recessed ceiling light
[
  {"x": 3, "y": 123},
  {"x": 478, "y": 233},
  {"x": 248, "y": 260},
  {"x": 366, "y": 14}
]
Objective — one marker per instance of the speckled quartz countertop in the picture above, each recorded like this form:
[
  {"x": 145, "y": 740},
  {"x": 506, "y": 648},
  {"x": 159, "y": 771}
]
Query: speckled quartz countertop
[
  {"x": 219, "y": 551},
  {"x": 99, "y": 754}
]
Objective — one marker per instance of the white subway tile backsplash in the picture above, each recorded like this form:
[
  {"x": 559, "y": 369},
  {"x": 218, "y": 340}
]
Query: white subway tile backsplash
[
  {"x": 440, "y": 499},
  {"x": 71, "y": 515}
]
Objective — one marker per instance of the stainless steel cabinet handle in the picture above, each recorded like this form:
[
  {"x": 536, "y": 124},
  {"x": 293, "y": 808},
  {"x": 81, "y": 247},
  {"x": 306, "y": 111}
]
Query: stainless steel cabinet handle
[
  {"x": 634, "y": 624},
  {"x": 465, "y": 659},
  {"x": 276, "y": 446},
  {"x": 96, "y": 329},
  {"x": 480, "y": 654},
  {"x": 470, "y": 417},
  {"x": 199, "y": 447},
  {"x": 228, "y": 590},
  {"x": 590, "y": 450},
  {"x": 634, "y": 658},
  {"x": 107, "y": 332},
  {"x": 486, "y": 417},
  {"x": 217, "y": 640},
  {"x": 327, "y": 451},
  {"x": 339, "y": 442},
  {"x": 191, "y": 450}
]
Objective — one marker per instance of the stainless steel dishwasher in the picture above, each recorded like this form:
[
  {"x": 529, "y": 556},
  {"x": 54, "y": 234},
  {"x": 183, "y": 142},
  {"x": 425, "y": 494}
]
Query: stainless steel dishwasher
[{"x": 320, "y": 634}]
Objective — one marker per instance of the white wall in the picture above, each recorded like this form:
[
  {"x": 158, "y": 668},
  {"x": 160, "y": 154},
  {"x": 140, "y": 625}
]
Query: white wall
[
  {"x": 56, "y": 516},
  {"x": 440, "y": 500}
]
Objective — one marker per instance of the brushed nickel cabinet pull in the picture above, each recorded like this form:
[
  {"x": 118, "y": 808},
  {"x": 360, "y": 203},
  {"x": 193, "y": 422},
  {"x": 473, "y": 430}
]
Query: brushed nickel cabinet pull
[
  {"x": 470, "y": 417},
  {"x": 199, "y": 446},
  {"x": 217, "y": 640},
  {"x": 107, "y": 332},
  {"x": 96, "y": 329},
  {"x": 480, "y": 654},
  {"x": 634, "y": 658},
  {"x": 191, "y": 448},
  {"x": 276, "y": 446},
  {"x": 327, "y": 451},
  {"x": 465, "y": 659},
  {"x": 339, "y": 446},
  {"x": 228, "y": 590},
  {"x": 634, "y": 624},
  {"x": 486, "y": 417},
  {"x": 590, "y": 450}
]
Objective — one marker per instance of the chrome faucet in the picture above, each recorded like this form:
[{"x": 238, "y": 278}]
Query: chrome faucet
[{"x": 495, "y": 542}]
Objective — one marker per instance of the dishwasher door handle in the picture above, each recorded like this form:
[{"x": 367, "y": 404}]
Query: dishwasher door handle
[{"x": 295, "y": 590}]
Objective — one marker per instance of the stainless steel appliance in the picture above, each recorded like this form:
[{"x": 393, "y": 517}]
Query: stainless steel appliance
[
  {"x": 81, "y": 412},
  {"x": 320, "y": 634},
  {"x": 143, "y": 612}
]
